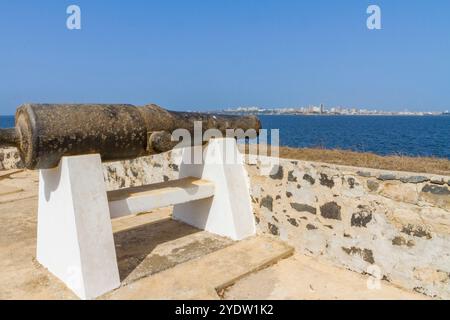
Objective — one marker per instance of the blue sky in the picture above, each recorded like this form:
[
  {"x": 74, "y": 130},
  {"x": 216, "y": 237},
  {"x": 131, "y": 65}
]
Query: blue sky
[{"x": 212, "y": 54}]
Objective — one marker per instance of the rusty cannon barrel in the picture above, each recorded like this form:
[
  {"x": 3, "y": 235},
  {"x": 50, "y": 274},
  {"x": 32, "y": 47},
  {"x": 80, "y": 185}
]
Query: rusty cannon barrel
[{"x": 44, "y": 133}]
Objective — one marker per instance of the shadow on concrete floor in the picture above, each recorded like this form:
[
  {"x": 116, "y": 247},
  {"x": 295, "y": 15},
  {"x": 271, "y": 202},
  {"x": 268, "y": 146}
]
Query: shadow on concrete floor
[{"x": 153, "y": 247}]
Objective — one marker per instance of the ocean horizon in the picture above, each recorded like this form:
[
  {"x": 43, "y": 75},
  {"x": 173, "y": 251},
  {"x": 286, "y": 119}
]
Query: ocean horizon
[{"x": 383, "y": 135}]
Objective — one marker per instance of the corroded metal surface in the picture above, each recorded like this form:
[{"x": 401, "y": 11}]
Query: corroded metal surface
[{"x": 44, "y": 133}]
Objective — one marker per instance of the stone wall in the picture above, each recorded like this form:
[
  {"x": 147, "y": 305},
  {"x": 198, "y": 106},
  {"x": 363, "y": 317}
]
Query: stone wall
[
  {"x": 389, "y": 224},
  {"x": 9, "y": 159},
  {"x": 394, "y": 225},
  {"x": 142, "y": 171}
]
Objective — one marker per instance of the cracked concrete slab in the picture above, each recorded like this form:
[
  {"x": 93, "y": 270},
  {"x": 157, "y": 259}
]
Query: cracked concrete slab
[{"x": 203, "y": 278}]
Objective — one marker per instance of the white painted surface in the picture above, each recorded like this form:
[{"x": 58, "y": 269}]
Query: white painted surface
[
  {"x": 75, "y": 240},
  {"x": 143, "y": 199},
  {"x": 229, "y": 213}
]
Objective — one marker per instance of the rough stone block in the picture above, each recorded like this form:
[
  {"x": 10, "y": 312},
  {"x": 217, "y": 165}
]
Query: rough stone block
[
  {"x": 398, "y": 191},
  {"x": 436, "y": 195}
]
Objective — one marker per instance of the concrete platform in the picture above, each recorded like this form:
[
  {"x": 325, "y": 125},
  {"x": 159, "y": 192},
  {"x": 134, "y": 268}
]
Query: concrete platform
[
  {"x": 206, "y": 277},
  {"x": 163, "y": 259},
  {"x": 18, "y": 185},
  {"x": 305, "y": 278},
  {"x": 7, "y": 190}
]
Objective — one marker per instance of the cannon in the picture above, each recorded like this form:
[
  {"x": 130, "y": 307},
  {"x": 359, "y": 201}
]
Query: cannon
[{"x": 44, "y": 133}]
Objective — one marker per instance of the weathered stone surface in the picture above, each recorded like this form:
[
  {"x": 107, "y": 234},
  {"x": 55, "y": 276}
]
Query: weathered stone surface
[
  {"x": 274, "y": 229},
  {"x": 365, "y": 254},
  {"x": 325, "y": 181},
  {"x": 267, "y": 202},
  {"x": 365, "y": 174},
  {"x": 138, "y": 172},
  {"x": 399, "y": 191},
  {"x": 310, "y": 179},
  {"x": 311, "y": 227},
  {"x": 277, "y": 173},
  {"x": 293, "y": 222},
  {"x": 303, "y": 208},
  {"x": 10, "y": 159},
  {"x": 350, "y": 186},
  {"x": 291, "y": 177},
  {"x": 417, "y": 231},
  {"x": 331, "y": 210},
  {"x": 436, "y": 219},
  {"x": 306, "y": 195},
  {"x": 432, "y": 275},
  {"x": 436, "y": 190},
  {"x": 351, "y": 182},
  {"x": 375, "y": 218},
  {"x": 439, "y": 181},
  {"x": 362, "y": 217},
  {"x": 414, "y": 179},
  {"x": 387, "y": 177},
  {"x": 372, "y": 185},
  {"x": 400, "y": 241},
  {"x": 436, "y": 195}
]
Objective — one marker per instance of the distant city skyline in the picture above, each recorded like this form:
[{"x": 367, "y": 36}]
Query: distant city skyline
[
  {"x": 209, "y": 55},
  {"x": 328, "y": 110}
]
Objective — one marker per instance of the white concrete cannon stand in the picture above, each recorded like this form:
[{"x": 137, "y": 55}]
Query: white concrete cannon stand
[
  {"x": 229, "y": 213},
  {"x": 75, "y": 240}
]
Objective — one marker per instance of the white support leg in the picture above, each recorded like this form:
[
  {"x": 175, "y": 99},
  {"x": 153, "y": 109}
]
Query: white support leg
[
  {"x": 75, "y": 239},
  {"x": 229, "y": 213}
]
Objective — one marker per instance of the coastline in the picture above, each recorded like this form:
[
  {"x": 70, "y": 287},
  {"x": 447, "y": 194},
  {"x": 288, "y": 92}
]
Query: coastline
[{"x": 337, "y": 114}]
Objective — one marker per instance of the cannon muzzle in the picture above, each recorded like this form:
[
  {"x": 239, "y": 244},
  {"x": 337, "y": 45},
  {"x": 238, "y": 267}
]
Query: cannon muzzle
[{"x": 44, "y": 133}]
